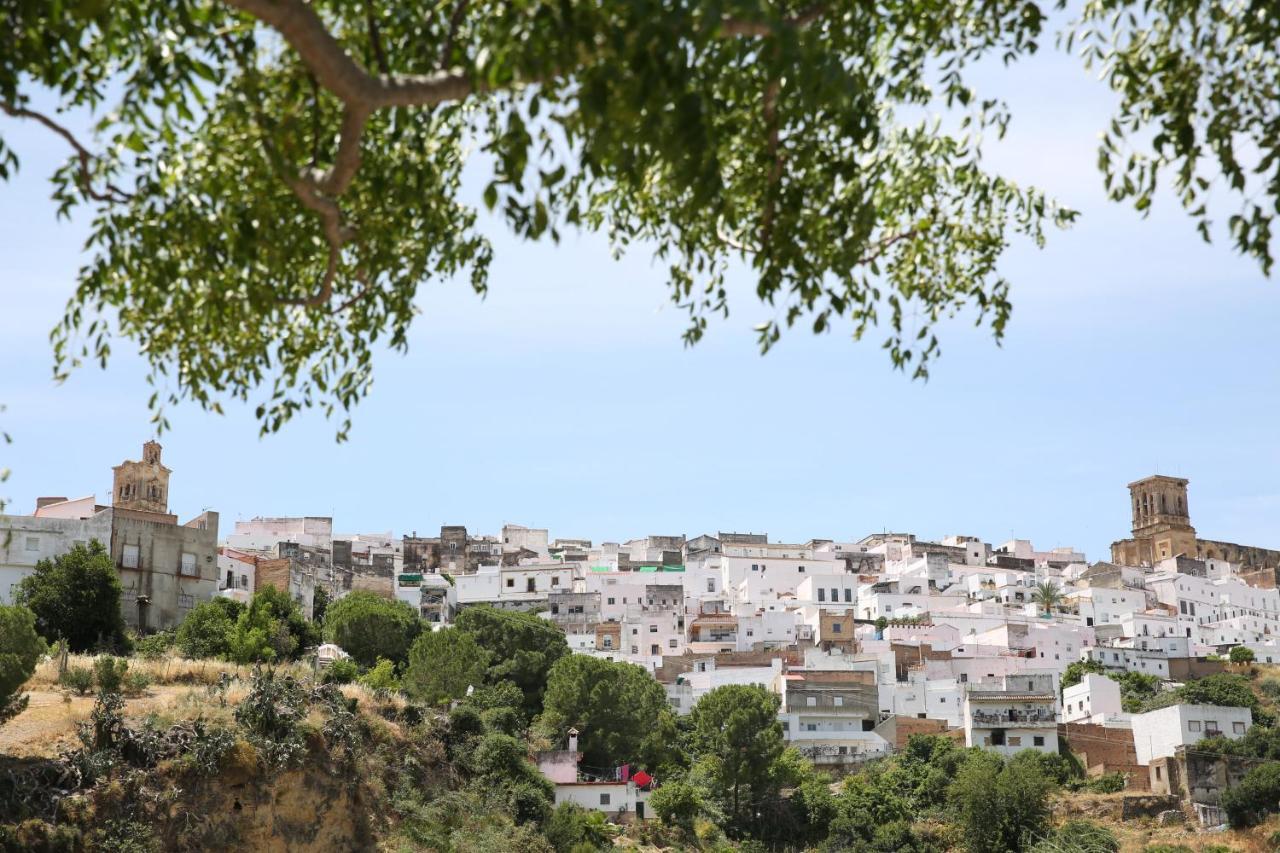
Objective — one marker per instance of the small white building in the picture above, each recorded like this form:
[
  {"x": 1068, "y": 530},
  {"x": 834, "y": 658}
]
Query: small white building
[
  {"x": 1011, "y": 714},
  {"x": 1157, "y": 734},
  {"x": 1095, "y": 699},
  {"x": 615, "y": 799}
]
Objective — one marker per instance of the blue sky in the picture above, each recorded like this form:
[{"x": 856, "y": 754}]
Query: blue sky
[{"x": 566, "y": 399}]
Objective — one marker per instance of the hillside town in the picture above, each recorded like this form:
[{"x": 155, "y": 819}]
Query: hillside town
[{"x": 865, "y": 642}]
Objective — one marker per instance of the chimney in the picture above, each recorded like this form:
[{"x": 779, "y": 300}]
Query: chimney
[{"x": 573, "y": 740}]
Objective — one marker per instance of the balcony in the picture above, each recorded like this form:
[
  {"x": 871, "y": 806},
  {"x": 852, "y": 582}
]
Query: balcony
[{"x": 1013, "y": 717}]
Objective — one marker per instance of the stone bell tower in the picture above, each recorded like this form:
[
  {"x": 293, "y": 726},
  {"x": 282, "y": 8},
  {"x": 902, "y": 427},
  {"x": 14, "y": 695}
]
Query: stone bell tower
[
  {"x": 142, "y": 485},
  {"x": 1161, "y": 522}
]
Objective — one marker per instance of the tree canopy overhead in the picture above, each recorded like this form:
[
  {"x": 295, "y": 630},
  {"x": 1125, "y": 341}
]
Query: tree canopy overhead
[{"x": 271, "y": 181}]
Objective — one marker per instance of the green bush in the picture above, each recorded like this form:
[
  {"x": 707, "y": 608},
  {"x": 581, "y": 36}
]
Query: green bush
[
  {"x": 1078, "y": 836},
  {"x": 109, "y": 673},
  {"x": 341, "y": 671},
  {"x": 381, "y": 677},
  {"x": 1108, "y": 783},
  {"x": 206, "y": 632},
  {"x": 271, "y": 628},
  {"x": 1258, "y": 794},
  {"x": 154, "y": 646},
  {"x": 20, "y": 651},
  {"x": 571, "y": 827},
  {"x": 77, "y": 678},
  {"x": 136, "y": 682},
  {"x": 1270, "y": 688},
  {"x": 677, "y": 804},
  {"x": 1242, "y": 654}
]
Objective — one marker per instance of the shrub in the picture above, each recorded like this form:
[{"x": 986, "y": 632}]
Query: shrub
[
  {"x": 1270, "y": 688},
  {"x": 1242, "y": 654},
  {"x": 368, "y": 626},
  {"x": 1248, "y": 803},
  {"x": 677, "y": 804},
  {"x": 999, "y": 808},
  {"x": 571, "y": 827},
  {"x": 206, "y": 632},
  {"x": 381, "y": 677},
  {"x": 1108, "y": 783},
  {"x": 1078, "y": 836},
  {"x": 20, "y": 650},
  {"x": 77, "y": 678},
  {"x": 341, "y": 671},
  {"x": 154, "y": 646},
  {"x": 271, "y": 628},
  {"x": 136, "y": 682},
  {"x": 109, "y": 673}
]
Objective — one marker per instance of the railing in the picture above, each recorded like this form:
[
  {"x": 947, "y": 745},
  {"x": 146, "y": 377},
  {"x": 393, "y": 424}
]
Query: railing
[{"x": 1012, "y": 716}]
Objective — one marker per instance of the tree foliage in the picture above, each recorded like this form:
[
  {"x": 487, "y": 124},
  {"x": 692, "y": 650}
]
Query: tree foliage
[
  {"x": 368, "y": 626},
  {"x": 522, "y": 648},
  {"x": 1000, "y": 806},
  {"x": 76, "y": 597},
  {"x": 20, "y": 651},
  {"x": 1256, "y": 796},
  {"x": 1242, "y": 654},
  {"x": 206, "y": 631},
  {"x": 271, "y": 628},
  {"x": 618, "y": 709},
  {"x": 443, "y": 664},
  {"x": 739, "y": 746},
  {"x": 312, "y": 153}
]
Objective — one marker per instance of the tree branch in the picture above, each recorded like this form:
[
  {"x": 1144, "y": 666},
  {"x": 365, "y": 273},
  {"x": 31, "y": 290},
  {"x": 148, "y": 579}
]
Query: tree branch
[
  {"x": 884, "y": 244},
  {"x": 375, "y": 38},
  {"x": 302, "y": 28},
  {"x": 455, "y": 21},
  {"x": 113, "y": 193},
  {"x": 738, "y": 28},
  {"x": 775, "y": 169}
]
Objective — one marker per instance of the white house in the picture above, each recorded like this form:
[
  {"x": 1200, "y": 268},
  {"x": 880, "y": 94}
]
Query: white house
[
  {"x": 1157, "y": 734},
  {"x": 1095, "y": 699}
]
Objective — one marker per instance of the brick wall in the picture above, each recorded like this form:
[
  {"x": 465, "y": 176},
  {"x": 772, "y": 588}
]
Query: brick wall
[{"x": 1104, "y": 750}]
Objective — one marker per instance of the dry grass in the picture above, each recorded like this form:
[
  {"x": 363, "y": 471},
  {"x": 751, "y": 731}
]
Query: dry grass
[{"x": 172, "y": 669}]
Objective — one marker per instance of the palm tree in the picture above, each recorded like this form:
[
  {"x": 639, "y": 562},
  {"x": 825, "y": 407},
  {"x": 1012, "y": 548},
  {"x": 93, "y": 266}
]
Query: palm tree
[{"x": 1047, "y": 595}]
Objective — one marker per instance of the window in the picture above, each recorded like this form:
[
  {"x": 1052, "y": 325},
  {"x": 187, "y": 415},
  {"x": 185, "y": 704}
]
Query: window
[
  {"x": 635, "y": 650},
  {"x": 653, "y": 650},
  {"x": 750, "y": 633},
  {"x": 529, "y": 585},
  {"x": 1211, "y": 726},
  {"x": 185, "y": 602},
  {"x": 635, "y": 631},
  {"x": 130, "y": 557},
  {"x": 611, "y": 601},
  {"x": 848, "y": 595},
  {"x": 604, "y": 799},
  {"x": 810, "y": 727},
  {"x": 608, "y": 642},
  {"x": 653, "y": 629},
  {"x": 822, "y": 594},
  {"x": 836, "y": 627},
  {"x": 33, "y": 543},
  {"x": 810, "y": 701},
  {"x": 671, "y": 644},
  {"x": 1015, "y": 740},
  {"x": 838, "y": 701},
  {"x": 711, "y": 585},
  {"x": 755, "y": 567},
  {"x": 1037, "y": 740},
  {"x": 511, "y": 582},
  {"x": 835, "y": 594},
  {"x": 802, "y": 570},
  {"x": 189, "y": 564},
  {"x": 1237, "y": 728},
  {"x": 1193, "y": 725},
  {"x": 555, "y": 581},
  {"x": 1157, "y": 772}
]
